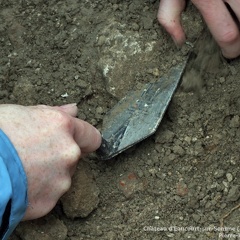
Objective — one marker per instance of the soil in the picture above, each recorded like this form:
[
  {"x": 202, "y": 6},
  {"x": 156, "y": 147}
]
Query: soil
[{"x": 180, "y": 183}]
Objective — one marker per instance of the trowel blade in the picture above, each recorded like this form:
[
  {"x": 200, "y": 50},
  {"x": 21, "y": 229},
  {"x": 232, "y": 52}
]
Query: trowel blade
[{"x": 137, "y": 115}]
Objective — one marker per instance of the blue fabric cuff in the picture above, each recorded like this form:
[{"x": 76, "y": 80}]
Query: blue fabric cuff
[{"x": 13, "y": 185}]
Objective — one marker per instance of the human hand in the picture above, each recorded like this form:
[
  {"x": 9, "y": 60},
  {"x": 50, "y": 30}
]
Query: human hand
[
  {"x": 217, "y": 17},
  {"x": 49, "y": 142}
]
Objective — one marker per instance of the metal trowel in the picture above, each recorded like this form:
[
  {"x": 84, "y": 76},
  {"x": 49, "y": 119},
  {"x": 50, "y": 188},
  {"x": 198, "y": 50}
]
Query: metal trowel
[{"x": 138, "y": 115}]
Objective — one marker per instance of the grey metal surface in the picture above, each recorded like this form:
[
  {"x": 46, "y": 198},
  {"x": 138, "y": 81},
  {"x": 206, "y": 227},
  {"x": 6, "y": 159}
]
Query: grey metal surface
[{"x": 138, "y": 115}]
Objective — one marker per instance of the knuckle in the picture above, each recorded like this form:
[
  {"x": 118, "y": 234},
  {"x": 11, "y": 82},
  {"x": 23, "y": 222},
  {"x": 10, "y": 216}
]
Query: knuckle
[
  {"x": 173, "y": 27},
  {"x": 63, "y": 120},
  {"x": 229, "y": 37},
  {"x": 66, "y": 184},
  {"x": 75, "y": 152},
  {"x": 71, "y": 155},
  {"x": 161, "y": 19}
]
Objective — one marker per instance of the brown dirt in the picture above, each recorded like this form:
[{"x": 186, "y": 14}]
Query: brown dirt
[{"x": 186, "y": 174}]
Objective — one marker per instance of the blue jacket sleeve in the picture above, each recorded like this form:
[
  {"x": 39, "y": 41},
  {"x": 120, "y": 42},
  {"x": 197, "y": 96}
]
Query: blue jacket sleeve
[{"x": 13, "y": 188}]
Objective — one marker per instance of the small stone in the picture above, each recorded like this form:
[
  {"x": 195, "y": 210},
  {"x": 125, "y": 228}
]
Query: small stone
[
  {"x": 219, "y": 173},
  {"x": 81, "y": 83},
  {"x": 208, "y": 205},
  {"x": 111, "y": 235},
  {"x": 222, "y": 79},
  {"x": 229, "y": 177},
  {"x": 101, "y": 40},
  {"x": 187, "y": 139},
  {"x": 129, "y": 183},
  {"x": 115, "y": 7},
  {"x": 147, "y": 23},
  {"x": 65, "y": 95},
  {"x": 196, "y": 217},
  {"x": 99, "y": 110},
  {"x": 140, "y": 173},
  {"x": 135, "y": 27},
  {"x": 171, "y": 156},
  {"x": 194, "y": 139},
  {"x": 235, "y": 122},
  {"x": 181, "y": 189},
  {"x": 152, "y": 171},
  {"x": 174, "y": 62},
  {"x": 88, "y": 91},
  {"x": 154, "y": 71},
  {"x": 223, "y": 205},
  {"x": 170, "y": 235},
  {"x": 233, "y": 194},
  {"x": 181, "y": 218},
  {"x": 226, "y": 185},
  {"x": 198, "y": 149},
  {"x": 178, "y": 150}
]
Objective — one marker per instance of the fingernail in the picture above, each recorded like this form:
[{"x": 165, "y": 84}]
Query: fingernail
[{"x": 70, "y": 105}]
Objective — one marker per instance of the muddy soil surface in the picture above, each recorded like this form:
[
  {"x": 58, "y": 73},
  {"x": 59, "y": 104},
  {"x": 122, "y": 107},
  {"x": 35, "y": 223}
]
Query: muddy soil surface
[{"x": 180, "y": 183}]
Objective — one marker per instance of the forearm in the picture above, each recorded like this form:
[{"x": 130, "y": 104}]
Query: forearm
[{"x": 13, "y": 188}]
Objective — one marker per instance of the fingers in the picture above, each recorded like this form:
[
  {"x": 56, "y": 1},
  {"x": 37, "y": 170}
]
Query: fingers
[
  {"x": 217, "y": 17},
  {"x": 169, "y": 14},
  {"x": 221, "y": 25},
  {"x": 87, "y": 137}
]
